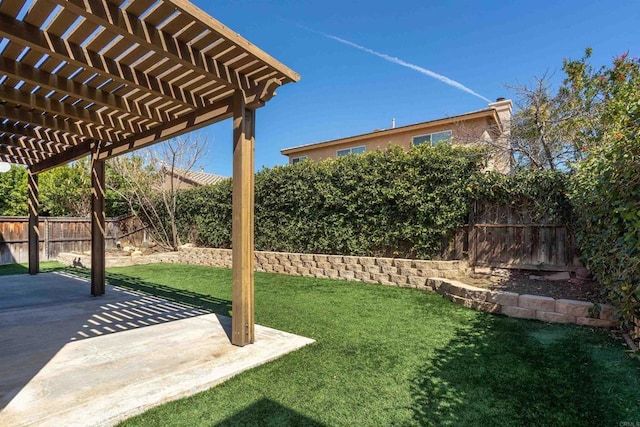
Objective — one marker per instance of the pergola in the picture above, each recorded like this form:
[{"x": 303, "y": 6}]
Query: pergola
[{"x": 102, "y": 78}]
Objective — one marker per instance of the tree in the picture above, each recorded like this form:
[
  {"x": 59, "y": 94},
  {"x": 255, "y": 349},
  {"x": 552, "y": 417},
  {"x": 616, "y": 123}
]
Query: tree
[
  {"x": 147, "y": 182},
  {"x": 66, "y": 190},
  {"x": 606, "y": 184},
  {"x": 541, "y": 128},
  {"x": 13, "y": 191}
]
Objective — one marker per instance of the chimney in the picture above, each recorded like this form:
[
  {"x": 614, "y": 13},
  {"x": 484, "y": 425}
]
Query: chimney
[
  {"x": 393, "y": 123},
  {"x": 503, "y": 107}
]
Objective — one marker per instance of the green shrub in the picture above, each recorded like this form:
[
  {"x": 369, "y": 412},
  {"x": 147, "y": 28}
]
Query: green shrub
[
  {"x": 606, "y": 194},
  {"x": 539, "y": 195},
  {"x": 390, "y": 202}
]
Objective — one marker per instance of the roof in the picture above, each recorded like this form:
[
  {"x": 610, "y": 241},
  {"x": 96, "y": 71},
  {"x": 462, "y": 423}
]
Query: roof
[
  {"x": 111, "y": 76},
  {"x": 196, "y": 177},
  {"x": 487, "y": 112}
]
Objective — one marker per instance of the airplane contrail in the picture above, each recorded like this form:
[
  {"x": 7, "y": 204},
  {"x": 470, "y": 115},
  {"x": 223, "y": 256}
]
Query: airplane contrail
[{"x": 393, "y": 59}]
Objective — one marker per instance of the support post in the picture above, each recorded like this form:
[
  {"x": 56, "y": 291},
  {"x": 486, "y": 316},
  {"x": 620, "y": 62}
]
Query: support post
[
  {"x": 34, "y": 232},
  {"x": 97, "y": 227},
  {"x": 242, "y": 324}
]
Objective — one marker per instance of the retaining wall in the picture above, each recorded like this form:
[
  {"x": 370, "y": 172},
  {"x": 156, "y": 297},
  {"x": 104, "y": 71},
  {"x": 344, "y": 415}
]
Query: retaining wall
[{"x": 444, "y": 277}]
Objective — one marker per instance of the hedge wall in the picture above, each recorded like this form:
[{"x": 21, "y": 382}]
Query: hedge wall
[{"x": 382, "y": 203}]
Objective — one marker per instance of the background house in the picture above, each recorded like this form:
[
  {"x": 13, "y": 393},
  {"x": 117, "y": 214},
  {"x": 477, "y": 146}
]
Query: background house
[
  {"x": 488, "y": 126},
  {"x": 184, "y": 179}
]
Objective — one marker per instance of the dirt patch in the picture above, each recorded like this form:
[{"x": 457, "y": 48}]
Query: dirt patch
[{"x": 521, "y": 282}]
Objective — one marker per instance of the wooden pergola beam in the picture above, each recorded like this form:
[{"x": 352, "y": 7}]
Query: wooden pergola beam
[
  {"x": 42, "y": 134},
  {"x": 22, "y": 152},
  {"x": 138, "y": 111},
  {"x": 112, "y": 127},
  {"x": 28, "y": 35},
  {"x": 33, "y": 144},
  {"x": 16, "y": 160},
  {"x": 122, "y": 22},
  {"x": 69, "y": 155},
  {"x": 59, "y": 124}
]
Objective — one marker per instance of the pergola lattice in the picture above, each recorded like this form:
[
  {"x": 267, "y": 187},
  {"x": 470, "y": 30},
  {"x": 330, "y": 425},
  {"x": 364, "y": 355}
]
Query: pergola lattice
[{"x": 106, "y": 77}]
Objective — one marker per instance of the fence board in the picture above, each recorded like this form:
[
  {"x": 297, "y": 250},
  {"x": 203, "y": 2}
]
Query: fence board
[
  {"x": 510, "y": 237},
  {"x": 61, "y": 234}
]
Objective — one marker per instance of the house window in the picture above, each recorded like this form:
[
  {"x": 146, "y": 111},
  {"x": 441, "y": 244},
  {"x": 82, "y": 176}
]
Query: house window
[
  {"x": 352, "y": 150},
  {"x": 298, "y": 159},
  {"x": 433, "y": 139}
]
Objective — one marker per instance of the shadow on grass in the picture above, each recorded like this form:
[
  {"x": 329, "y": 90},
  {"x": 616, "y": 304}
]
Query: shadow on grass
[
  {"x": 12, "y": 269},
  {"x": 269, "y": 413},
  {"x": 207, "y": 302},
  {"x": 502, "y": 371}
]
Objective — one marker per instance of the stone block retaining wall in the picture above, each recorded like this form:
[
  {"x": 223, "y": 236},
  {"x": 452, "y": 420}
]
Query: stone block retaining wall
[
  {"x": 444, "y": 277},
  {"x": 546, "y": 309}
]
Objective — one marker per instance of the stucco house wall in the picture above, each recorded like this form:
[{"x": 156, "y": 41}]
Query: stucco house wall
[{"x": 481, "y": 127}]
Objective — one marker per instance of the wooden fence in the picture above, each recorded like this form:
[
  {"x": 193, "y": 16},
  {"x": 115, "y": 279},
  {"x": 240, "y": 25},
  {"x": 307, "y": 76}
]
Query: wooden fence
[
  {"x": 62, "y": 235},
  {"x": 512, "y": 237}
]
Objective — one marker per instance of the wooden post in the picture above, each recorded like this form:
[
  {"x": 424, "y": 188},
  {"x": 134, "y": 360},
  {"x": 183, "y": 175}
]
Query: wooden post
[
  {"x": 242, "y": 324},
  {"x": 34, "y": 232},
  {"x": 97, "y": 227}
]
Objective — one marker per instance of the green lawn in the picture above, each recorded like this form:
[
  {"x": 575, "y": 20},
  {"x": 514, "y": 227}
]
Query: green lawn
[{"x": 392, "y": 356}]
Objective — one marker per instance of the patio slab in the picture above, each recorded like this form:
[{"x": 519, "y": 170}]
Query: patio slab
[{"x": 67, "y": 358}]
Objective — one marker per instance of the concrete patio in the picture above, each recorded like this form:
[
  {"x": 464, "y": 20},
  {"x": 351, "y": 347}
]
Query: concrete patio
[{"x": 67, "y": 358}]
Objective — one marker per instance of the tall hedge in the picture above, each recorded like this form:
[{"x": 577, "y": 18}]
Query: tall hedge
[{"x": 390, "y": 203}]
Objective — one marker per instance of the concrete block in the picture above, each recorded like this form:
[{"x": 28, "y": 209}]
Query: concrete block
[
  {"x": 535, "y": 302},
  {"x": 338, "y": 266},
  {"x": 424, "y": 264},
  {"x": 323, "y": 264},
  {"x": 417, "y": 281},
  {"x": 598, "y": 323},
  {"x": 372, "y": 268},
  {"x": 290, "y": 269},
  {"x": 305, "y": 272},
  {"x": 334, "y": 258},
  {"x": 293, "y": 257},
  {"x": 399, "y": 279},
  {"x": 309, "y": 264},
  {"x": 389, "y": 269},
  {"x": 330, "y": 273},
  {"x": 518, "y": 312},
  {"x": 435, "y": 283},
  {"x": 278, "y": 268},
  {"x": 380, "y": 277},
  {"x": 408, "y": 271},
  {"x": 553, "y": 317},
  {"x": 475, "y": 305},
  {"x": 345, "y": 274},
  {"x": 350, "y": 259},
  {"x": 503, "y": 298},
  {"x": 402, "y": 263},
  {"x": 573, "y": 308},
  {"x": 354, "y": 267},
  {"x": 306, "y": 257},
  {"x": 320, "y": 258},
  {"x": 362, "y": 275},
  {"x": 365, "y": 260},
  {"x": 316, "y": 272},
  {"x": 384, "y": 261}
]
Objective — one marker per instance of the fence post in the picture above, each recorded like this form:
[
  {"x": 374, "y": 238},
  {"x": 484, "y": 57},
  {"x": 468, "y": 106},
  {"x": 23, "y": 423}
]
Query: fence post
[{"x": 472, "y": 237}]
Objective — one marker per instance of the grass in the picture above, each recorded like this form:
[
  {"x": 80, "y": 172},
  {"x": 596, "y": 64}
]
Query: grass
[{"x": 392, "y": 356}]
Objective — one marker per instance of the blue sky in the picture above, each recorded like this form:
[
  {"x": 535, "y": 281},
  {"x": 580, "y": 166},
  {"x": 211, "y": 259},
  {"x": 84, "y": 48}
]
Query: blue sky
[{"x": 346, "y": 91}]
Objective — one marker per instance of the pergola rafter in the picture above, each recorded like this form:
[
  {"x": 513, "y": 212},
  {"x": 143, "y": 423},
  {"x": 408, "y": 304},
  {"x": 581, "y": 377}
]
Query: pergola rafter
[{"x": 102, "y": 78}]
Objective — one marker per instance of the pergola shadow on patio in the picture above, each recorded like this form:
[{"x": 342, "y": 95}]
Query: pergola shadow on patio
[
  {"x": 67, "y": 358},
  {"x": 102, "y": 78}
]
